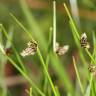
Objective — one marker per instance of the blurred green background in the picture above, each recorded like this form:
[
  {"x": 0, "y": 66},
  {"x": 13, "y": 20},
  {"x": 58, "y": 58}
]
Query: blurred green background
[{"x": 37, "y": 17}]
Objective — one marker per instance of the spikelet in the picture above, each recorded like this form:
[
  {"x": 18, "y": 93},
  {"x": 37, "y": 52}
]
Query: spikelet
[
  {"x": 61, "y": 50},
  {"x": 84, "y": 42},
  {"x": 30, "y": 50},
  {"x": 92, "y": 70}
]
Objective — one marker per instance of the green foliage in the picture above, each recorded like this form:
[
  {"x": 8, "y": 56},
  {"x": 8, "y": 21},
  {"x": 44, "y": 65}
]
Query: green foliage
[{"x": 46, "y": 57}]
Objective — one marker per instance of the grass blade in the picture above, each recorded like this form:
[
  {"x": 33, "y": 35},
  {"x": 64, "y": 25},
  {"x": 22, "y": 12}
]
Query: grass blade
[
  {"x": 17, "y": 55},
  {"x": 54, "y": 26},
  {"x": 47, "y": 59},
  {"x": 46, "y": 71},
  {"x": 76, "y": 32},
  {"x": 26, "y": 76},
  {"x": 61, "y": 73},
  {"x": 78, "y": 77},
  {"x": 33, "y": 25},
  {"x": 39, "y": 53}
]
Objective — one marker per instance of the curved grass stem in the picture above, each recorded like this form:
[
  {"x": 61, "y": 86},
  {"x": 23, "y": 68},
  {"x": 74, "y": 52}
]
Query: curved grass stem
[
  {"x": 78, "y": 77},
  {"x": 26, "y": 76},
  {"x": 46, "y": 72}
]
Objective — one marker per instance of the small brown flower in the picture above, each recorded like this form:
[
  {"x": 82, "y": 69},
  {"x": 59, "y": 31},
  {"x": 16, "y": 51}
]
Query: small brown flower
[
  {"x": 8, "y": 51},
  {"x": 61, "y": 50},
  {"x": 92, "y": 69},
  {"x": 84, "y": 42},
  {"x": 30, "y": 50}
]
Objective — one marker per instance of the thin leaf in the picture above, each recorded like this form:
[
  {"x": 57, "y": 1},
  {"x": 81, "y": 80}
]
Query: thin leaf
[{"x": 78, "y": 77}]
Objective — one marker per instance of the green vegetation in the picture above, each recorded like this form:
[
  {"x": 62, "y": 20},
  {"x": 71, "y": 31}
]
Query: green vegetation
[{"x": 54, "y": 76}]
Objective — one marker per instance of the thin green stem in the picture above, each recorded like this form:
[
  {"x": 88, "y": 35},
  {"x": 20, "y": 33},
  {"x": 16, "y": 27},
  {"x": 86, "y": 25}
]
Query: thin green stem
[
  {"x": 47, "y": 58},
  {"x": 46, "y": 71},
  {"x": 75, "y": 30},
  {"x": 57, "y": 90},
  {"x": 72, "y": 21},
  {"x": 26, "y": 76},
  {"x": 78, "y": 77},
  {"x": 18, "y": 57},
  {"x": 39, "y": 54},
  {"x": 90, "y": 56},
  {"x": 30, "y": 91},
  {"x": 21, "y": 25},
  {"x": 46, "y": 79},
  {"x": 54, "y": 25},
  {"x": 90, "y": 84}
]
